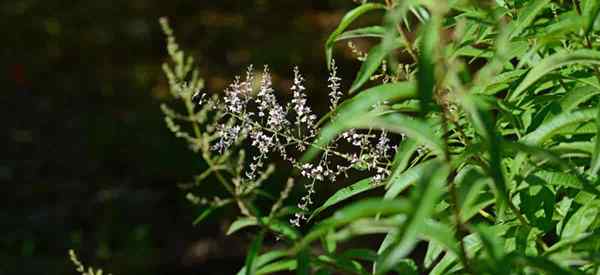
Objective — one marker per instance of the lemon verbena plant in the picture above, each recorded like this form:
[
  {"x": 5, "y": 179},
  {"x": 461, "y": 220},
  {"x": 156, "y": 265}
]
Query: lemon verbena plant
[{"x": 476, "y": 120}]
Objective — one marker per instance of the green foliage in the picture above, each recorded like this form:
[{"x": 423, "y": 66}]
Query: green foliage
[{"x": 499, "y": 170}]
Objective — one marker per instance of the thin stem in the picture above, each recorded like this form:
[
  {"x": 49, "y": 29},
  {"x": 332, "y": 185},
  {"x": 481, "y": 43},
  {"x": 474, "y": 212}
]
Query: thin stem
[
  {"x": 297, "y": 140},
  {"x": 453, "y": 194},
  {"x": 409, "y": 45}
]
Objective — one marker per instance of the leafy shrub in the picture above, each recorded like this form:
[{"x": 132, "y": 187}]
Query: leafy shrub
[{"x": 479, "y": 125}]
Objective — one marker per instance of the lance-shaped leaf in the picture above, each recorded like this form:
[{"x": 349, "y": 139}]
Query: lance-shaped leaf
[
  {"x": 348, "y": 214},
  {"x": 253, "y": 252},
  {"x": 555, "y": 61},
  {"x": 371, "y": 31},
  {"x": 369, "y": 66},
  {"x": 426, "y": 64},
  {"x": 527, "y": 15},
  {"x": 556, "y": 124},
  {"x": 423, "y": 201},
  {"x": 353, "y": 111},
  {"x": 344, "y": 23},
  {"x": 265, "y": 259},
  {"x": 346, "y": 193}
]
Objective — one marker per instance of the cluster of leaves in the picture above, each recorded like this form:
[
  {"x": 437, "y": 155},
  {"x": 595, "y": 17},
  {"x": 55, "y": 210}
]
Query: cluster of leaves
[{"x": 503, "y": 95}]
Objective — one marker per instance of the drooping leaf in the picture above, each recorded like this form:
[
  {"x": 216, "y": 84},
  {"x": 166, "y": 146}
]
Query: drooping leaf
[
  {"x": 551, "y": 127},
  {"x": 369, "y": 66},
  {"x": 555, "y": 61},
  {"x": 241, "y": 223},
  {"x": 371, "y": 31},
  {"x": 577, "y": 96},
  {"x": 348, "y": 18},
  {"x": 358, "y": 107},
  {"x": 527, "y": 15}
]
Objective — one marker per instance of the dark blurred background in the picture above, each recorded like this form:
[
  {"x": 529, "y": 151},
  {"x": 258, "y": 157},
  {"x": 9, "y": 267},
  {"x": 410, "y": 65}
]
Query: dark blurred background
[{"x": 88, "y": 162}]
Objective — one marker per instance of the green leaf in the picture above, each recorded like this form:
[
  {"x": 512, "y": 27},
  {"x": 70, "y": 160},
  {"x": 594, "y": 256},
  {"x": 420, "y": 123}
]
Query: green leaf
[
  {"x": 581, "y": 220},
  {"x": 280, "y": 227},
  {"x": 577, "y": 96},
  {"x": 540, "y": 264},
  {"x": 440, "y": 233},
  {"x": 559, "y": 179},
  {"x": 527, "y": 15},
  {"x": 344, "y": 23},
  {"x": 252, "y": 252},
  {"x": 595, "y": 161},
  {"x": 434, "y": 250},
  {"x": 241, "y": 223},
  {"x": 346, "y": 265},
  {"x": 283, "y": 265},
  {"x": 472, "y": 197},
  {"x": 492, "y": 245},
  {"x": 303, "y": 260},
  {"x": 398, "y": 183},
  {"x": 371, "y": 31},
  {"x": 369, "y": 226},
  {"x": 417, "y": 129},
  {"x": 424, "y": 198},
  {"x": 426, "y": 71},
  {"x": 357, "y": 107},
  {"x": 449, "y": 263},
  {"x": 265, "y": 259},
  {"x": 591, "y": 12},
  {"x": 559, "y": 122},
  {"x": 360, "y": 254},
  {"x": 555, "y": 61},
  {"x": 329, "y": 242},
  {"x": 207, "y": 211},
  {"x": 537, "y": 203},
  {"x": 346, "y": 193},
  {"x": 369, "y": 67},
  {"x": 402, "y": 157},
  {"x": 481, "y": 116},
  {"x": 348, "y": 214},
  {"x": 408, "y": 106}
]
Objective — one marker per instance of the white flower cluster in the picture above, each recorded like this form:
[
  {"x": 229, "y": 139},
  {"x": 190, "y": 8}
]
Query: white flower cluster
[
  {"x": 255, "y": 113},
  {"x": 335, "y": 93}
]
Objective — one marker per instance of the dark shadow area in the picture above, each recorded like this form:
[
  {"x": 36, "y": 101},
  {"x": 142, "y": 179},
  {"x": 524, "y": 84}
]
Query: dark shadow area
[{"x": 88, "y": 162}]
